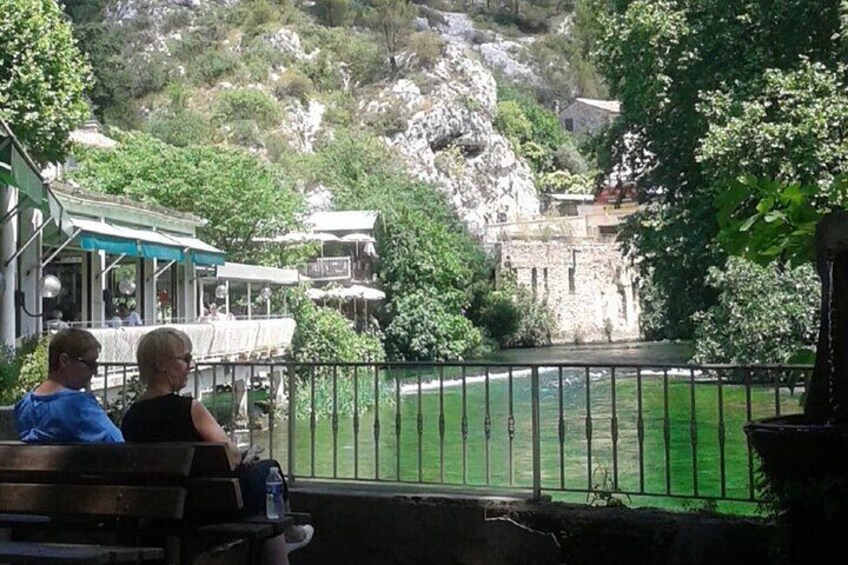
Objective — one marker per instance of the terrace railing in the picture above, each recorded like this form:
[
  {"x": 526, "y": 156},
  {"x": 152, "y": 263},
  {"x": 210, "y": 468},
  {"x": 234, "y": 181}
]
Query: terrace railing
[
  {"x": 326, "y": 269},
  {"x": 604, "y": 431}
]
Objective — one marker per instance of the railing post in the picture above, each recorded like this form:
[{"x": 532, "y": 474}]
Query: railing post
[
  {"x": 537, "y": 436},
  {"x": 292, "y": 419}
]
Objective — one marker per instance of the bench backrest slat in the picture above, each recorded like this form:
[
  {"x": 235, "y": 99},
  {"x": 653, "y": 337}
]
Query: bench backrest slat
[
  {"x": 112, "y": 460},
  {"x": 210, "y": 460},
  {"x": 93, "y": 500}
]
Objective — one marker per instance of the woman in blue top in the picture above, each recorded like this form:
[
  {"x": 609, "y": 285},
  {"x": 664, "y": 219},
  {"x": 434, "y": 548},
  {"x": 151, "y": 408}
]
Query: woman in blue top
[{"x": 57, "y": 410}]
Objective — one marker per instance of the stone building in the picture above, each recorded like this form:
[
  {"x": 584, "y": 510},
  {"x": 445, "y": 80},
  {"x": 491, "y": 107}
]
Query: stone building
[
  {"x": 585, "y": 115},
  {"x": 576, "y": 266}
]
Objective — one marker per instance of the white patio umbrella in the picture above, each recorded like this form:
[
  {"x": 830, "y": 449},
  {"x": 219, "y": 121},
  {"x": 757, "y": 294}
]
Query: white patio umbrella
[
  {"x": 359, "y": 237},
  {"x": 367, "y": 294},
  {"x": 315, "y": 293}
]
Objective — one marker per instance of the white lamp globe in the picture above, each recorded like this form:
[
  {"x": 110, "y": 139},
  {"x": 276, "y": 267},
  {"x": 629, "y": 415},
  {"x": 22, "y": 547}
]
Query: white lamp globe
[
  {"x": 265, "y": 293},
  {"x": 51, "y": 286},
  {"x": 126, "y": 287},
  {"x": 221, "y": 291}
]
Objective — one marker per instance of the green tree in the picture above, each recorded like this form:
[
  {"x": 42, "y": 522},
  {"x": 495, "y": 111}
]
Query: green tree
[
  {"x": 392, "y": 19},
  {"x": 324, "y": 335},
  {"x": 43, "y": 76},
  {"x": 241, "y": 197},
  {"x": 762, "y": 315},
  {"x": 426, "y": 254},
  {"x": 673, "y": 64}
]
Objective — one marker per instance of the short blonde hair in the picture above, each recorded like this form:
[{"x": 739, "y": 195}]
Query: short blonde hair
[{"x": 156, "y": 347}]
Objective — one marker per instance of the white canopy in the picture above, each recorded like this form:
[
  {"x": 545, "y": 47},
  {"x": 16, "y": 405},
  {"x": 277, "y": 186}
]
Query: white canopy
[
  {"x": 344, "y": 221},
  {"x": 300, "y": 237},
  {"x": 354, "y": 291},
  {"x": 258, "y": 274},
  {"x": 359, "y": 237},
  {"x": 315, "y": 293},
  {"x": 365, "y": 292}
]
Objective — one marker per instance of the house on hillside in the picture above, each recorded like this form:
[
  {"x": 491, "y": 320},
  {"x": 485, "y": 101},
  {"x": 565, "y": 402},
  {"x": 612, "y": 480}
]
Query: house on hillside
[{"x": 586, "y": 115}]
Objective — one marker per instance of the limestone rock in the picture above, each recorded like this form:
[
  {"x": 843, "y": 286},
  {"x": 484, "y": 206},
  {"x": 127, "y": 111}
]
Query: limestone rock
[
  {"x": 449, "y": 140},
  {"x": 301, "y": 124}
]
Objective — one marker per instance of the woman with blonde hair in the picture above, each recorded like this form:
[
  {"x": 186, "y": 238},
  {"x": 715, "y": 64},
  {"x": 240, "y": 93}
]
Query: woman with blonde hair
[{"x": 160, "y": 414}]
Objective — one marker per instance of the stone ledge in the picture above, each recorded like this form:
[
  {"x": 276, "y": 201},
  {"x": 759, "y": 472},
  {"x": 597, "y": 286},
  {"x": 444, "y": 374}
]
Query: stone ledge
[{"x": 370, "y": 524}]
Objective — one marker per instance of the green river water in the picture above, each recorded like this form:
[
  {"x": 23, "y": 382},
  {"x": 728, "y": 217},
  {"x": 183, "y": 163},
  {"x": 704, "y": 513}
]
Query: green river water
[{"x": 667, "y": 467}]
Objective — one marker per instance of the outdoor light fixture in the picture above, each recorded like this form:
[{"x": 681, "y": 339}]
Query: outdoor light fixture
[
  {"x": 221, "y": 291},
  {"x": 126, "y": 287},
  {"x": 265, "y": 293},
  {"x": 50, "y": 286}
]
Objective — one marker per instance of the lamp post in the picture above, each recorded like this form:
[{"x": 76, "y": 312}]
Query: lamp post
[{"x": 265, "y": 293}]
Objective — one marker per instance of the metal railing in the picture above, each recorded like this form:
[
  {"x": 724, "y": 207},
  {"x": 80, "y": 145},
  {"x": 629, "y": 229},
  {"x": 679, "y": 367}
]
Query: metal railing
[
  {"x": 668, "y": 431},
  {"x": 326, "y": 268}
]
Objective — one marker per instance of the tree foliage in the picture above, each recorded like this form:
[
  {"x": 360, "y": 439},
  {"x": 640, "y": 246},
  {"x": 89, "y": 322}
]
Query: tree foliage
[
  {"x": 393, "y": 20},
  {"x": 693, "y": 77},
  {"x": 764, "y": 314},
  {"x": 43, "y": 77},
  {"x": 426, "y": 253},
  {"x": 324, "y": 335},
  {"x": 242, "y": 197}
]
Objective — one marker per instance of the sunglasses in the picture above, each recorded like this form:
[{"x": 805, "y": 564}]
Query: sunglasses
[
  {"x": 186, "y": 358},
  {"x": 90, "y": 364}
]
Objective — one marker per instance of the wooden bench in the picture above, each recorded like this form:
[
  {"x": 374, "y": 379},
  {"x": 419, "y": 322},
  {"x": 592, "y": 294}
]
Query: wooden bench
[{"x": 174, "y": 503}]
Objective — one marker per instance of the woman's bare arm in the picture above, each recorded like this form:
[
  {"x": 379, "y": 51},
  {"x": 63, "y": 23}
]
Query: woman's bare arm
[{"x": 211, "y": 431}]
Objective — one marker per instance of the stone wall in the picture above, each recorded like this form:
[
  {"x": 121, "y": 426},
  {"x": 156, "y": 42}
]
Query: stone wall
[
  {"x": 357, "y": 526},
  {"x": 584, "y": 118},
  {"x": 587, "y": 282}
]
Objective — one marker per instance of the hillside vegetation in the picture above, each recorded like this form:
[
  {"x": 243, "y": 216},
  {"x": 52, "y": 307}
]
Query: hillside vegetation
[{"x": 412, "y": 110}]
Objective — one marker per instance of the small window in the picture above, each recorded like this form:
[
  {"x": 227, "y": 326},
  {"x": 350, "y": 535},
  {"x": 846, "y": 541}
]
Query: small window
[{"x": 569, "y": 124}]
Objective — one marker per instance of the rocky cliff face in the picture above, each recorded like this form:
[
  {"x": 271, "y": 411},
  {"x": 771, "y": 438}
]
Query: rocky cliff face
[
  {"x": 449, "y": 140},
  {"x": 443, "y": 114}
]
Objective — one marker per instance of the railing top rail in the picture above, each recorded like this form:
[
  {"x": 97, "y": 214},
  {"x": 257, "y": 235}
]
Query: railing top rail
[{"x": 523, "y": 365}]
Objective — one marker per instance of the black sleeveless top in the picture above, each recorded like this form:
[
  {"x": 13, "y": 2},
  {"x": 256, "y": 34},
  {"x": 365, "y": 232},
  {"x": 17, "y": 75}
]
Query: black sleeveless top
[{"x": 164, "y": 418}]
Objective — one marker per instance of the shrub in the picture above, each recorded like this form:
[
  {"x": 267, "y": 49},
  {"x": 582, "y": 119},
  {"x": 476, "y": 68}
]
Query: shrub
[
  {"x": 536, "y": 322},
  {"x": 565, "y": 182},
  {"x": 334, "y": 12},
  {"x": 257, "y": 13},
  {"x": 247, "y": 104},
  {"x": 387, "y": 121},
  {"x": 427, "y": 47},
  {"x": 423, "y": 328},
  {"x": 180, "y": 127},
  {"x": 176, "y": 19},
  {"x": 323, "y": 334},
  {"x": 22, "y": 370},
  {"x": 211, "y": 65},
  {"x": 568, "y": 158},
  {"x": 294, "y": 84},
  {"x": 512, "y": 123},
  {"x": 762, "y": 315},
  {"x": 151, "y": 74}
]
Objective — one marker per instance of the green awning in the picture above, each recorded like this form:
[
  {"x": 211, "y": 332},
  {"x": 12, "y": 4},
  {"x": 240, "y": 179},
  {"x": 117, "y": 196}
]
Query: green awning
[
  {"x": 96, "y": 235},
  {"x": 18, "y": 170},
  {"x": 111, "y": 245},
  {"x": 206, "y": 258}
]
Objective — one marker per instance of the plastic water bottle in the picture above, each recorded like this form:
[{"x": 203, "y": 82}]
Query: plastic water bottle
[{"x": 274, "y": 494}]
